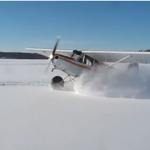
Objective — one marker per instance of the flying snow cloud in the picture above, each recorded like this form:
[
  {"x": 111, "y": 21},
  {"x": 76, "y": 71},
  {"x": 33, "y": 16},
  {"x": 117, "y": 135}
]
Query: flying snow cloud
[{"x": 115, "y": 83}]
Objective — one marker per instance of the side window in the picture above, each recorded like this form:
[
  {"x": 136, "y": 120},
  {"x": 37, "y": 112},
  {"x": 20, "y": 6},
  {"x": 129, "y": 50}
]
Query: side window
[
  {"x": 88, "y": 62},
  {"x": 76, "y": 57}
]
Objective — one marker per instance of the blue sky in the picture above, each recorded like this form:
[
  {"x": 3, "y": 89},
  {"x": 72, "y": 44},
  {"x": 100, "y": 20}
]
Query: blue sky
[{"x": 100, "y": 25}]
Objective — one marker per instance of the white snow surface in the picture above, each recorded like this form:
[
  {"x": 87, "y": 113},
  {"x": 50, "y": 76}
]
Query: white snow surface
[{"x": 39, "y": 118}]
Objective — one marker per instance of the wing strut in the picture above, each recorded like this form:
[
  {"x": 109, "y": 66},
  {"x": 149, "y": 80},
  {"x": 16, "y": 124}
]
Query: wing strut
[{"x": 119, "y": 61}]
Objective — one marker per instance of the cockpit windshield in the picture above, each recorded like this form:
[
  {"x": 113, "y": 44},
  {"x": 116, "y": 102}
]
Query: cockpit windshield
[
  {"x": 76, "y": 54},
  {"x": 82, "y": 58}
]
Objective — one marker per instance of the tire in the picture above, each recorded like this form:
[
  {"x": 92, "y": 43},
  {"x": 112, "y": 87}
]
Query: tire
[
  {"x": 134, "y": 67},
  {"x": 57, "y": 82},
  {"x": 134, "y": 75}
]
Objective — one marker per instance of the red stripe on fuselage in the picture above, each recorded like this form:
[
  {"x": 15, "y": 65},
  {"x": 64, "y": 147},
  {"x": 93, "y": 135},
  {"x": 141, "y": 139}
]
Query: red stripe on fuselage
[{"x": 74, "y": 63}]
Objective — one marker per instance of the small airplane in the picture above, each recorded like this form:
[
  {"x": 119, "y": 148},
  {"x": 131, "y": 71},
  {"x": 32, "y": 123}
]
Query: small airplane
[{"x": 74, "y": 62}]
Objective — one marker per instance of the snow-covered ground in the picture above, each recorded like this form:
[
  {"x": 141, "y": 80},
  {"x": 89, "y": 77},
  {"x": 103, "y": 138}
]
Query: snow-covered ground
[{"x": 36, "y": 117}]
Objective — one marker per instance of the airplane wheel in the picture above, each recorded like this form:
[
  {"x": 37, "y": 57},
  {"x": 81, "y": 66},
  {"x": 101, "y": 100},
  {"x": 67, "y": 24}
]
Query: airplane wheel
[
  {"x": 133, "y": 67},
  {"x": 57, "y": 82}
]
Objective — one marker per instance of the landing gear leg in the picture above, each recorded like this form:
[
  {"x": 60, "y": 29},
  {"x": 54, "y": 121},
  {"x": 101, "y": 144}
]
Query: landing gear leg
[{"x": 71, "y": 79}]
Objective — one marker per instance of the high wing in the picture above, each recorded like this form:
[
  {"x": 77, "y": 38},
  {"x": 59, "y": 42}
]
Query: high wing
[
  {"x": 114, "y": 56},
  {"x": 104, "y": 56}
]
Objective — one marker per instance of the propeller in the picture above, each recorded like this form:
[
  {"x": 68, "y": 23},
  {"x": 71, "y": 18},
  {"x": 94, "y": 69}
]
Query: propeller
[
  {"x": 53, "y": 53},
  {"x": 55, "y": 47}
]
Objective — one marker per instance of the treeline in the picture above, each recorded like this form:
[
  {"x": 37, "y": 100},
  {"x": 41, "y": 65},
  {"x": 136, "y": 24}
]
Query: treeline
[{"x": 20, "y": 55}]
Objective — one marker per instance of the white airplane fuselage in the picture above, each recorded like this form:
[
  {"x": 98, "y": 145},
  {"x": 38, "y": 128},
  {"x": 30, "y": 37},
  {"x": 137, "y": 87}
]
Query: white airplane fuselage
[{"x": 69, "y": 65}]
